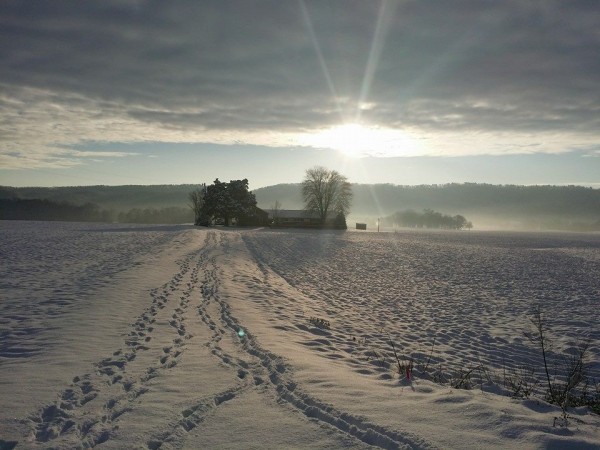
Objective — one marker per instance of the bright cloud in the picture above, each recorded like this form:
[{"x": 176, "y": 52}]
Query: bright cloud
[{"x": 422, "y": 78}]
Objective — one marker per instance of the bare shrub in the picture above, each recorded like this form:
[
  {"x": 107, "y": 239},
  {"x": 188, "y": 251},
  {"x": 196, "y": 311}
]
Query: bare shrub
[
  {"x": 404, "y": 365},
  {"x": 423, "y": 367},
  {"x": 569, "y": 384},
  {"x": 522, "y": 382},
  {"x": 564, "y": 375}
]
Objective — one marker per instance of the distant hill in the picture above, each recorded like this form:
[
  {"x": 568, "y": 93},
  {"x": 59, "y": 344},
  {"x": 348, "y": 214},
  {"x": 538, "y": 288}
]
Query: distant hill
[
  {"x": 486, "y": 205},
  {"x": 119, "y": 198},
  {"x": 497, "y": 206},
  {"x": 126, "y": 204}
]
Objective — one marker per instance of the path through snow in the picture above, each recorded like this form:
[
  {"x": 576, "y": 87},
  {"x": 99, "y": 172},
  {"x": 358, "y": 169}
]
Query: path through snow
[{"x": 205, "y": 342}]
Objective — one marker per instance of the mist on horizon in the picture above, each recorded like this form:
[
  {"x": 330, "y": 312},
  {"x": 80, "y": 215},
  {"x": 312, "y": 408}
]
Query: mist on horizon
[{"x": 395, "y": 92}]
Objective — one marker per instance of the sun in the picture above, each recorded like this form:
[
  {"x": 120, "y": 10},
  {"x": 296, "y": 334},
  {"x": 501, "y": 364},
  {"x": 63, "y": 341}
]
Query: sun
[
  {"x": 352, "y": 140},
  {"x": 355, "y": 141}
]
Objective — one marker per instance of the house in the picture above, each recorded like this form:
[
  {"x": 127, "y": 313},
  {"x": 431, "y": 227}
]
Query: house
[
  {"x": 257, "y": 217},
  {"x": 299, "y": 218}
]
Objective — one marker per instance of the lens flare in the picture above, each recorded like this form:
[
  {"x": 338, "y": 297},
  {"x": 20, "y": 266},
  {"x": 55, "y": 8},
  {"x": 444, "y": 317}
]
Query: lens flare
[{"x": 356, "y": 140}]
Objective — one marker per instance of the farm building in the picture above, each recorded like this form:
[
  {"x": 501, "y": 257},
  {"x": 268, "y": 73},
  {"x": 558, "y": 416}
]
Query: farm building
[{"x": 299, "y": 218}]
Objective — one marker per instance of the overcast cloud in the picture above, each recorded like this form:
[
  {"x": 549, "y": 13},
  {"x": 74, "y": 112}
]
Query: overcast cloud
[{"x": 508, "y": 76}]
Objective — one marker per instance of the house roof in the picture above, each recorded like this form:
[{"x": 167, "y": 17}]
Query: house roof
[{"x": 296, "y": 214}]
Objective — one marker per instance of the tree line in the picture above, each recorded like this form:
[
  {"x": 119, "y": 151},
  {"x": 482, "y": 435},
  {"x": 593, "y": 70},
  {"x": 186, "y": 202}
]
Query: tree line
[
  {"x": 501, "y": 202},
  {"x": 499, "y": 206},
  {"x": 470, "y": 198},
  {"x": 117, "y": 198},
  {"x": 44, "y": 209},
  {"x": 427, "y": 219},
  {"x": 510, "y": 206},
  {"x": 168, "y": 215}
]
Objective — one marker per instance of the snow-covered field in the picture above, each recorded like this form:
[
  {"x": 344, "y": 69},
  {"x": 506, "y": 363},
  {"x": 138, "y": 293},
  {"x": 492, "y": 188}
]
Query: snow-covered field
[{"x": 177, "y": 337}]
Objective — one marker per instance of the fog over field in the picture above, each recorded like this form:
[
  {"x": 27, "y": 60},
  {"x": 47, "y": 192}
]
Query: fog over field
[
  {"x": 487, "y": 206},
  {"x": 132, "y": 336}
]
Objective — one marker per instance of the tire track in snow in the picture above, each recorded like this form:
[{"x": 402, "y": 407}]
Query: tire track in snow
[
  {"x": 194, "y": 415},
  {"x": 271, "y": 373}
]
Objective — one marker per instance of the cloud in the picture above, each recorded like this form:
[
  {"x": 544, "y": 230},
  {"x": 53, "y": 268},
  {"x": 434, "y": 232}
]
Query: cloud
[{"x": 249, "y": 71}]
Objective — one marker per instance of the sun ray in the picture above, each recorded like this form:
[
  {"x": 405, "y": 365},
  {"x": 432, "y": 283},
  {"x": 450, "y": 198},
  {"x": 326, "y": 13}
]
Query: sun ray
[
  {"x": 354, "y": 140},
  {"x": 384, "y": 19},
  {"x": 317, "y": 47}
]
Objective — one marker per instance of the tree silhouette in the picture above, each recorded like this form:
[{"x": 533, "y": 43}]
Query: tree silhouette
[
  {"x": 197, "y": 204},
  {"x": 276, "y": 211},
  {"x": 428, "y": 219},
  {"x": 325, "y": 191},
  {"x": 226, "y": 201}
]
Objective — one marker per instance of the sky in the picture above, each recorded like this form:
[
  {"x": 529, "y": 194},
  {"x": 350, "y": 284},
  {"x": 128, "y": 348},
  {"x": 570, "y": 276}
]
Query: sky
[{"x": 403, "y": 92}]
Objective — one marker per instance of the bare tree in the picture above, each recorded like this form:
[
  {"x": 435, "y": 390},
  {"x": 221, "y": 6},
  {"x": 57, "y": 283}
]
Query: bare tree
[
  {"x": 196, "y": 198},
  {"x": 325, "y": 191},
  {"x": 275, "y": 210}
]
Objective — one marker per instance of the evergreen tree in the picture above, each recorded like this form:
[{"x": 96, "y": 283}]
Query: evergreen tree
[{"x": 226, "y": 201}]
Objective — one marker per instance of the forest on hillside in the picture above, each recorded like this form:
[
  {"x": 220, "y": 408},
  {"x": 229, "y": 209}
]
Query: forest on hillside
[
  {"x": 486, "y": 205},
  {"x": 377, "y": 199},
  {"x": 118, "y": 198},
  {"x": 166, "y": 204},
  {"x": 44, "y": 209}
]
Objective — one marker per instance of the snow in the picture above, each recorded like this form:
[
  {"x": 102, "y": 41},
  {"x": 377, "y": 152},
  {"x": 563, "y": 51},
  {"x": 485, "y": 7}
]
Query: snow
[{"x": 179, "y": 337}]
